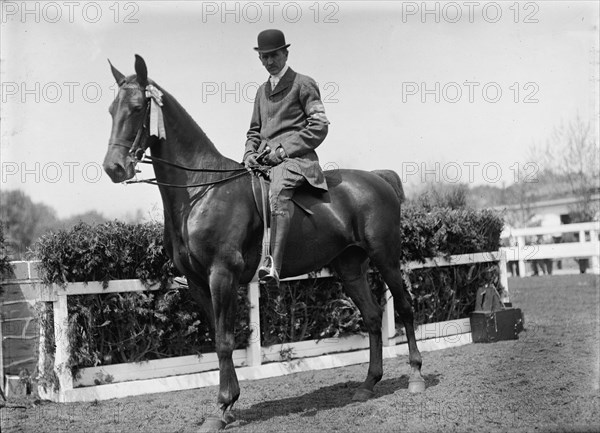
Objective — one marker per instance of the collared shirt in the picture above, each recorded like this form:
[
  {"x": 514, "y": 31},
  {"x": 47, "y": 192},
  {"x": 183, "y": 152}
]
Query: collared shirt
[{"x": 274, "y": 79}]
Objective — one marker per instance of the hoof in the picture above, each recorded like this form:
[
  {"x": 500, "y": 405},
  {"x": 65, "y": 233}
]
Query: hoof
[
  {"x": 416, "y": 385},
  {"x": 228, "y": 417},
  {"x": 212, "y": 424},
  {"x": 362, "y": 395}
]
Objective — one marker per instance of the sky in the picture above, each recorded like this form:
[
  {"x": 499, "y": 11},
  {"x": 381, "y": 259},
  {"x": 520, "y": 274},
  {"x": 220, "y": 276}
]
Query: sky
[{"x": 438, "y": 91}]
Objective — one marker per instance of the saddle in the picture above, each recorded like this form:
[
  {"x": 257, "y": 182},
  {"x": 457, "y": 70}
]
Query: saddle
[{"x": 305, "y": 197}]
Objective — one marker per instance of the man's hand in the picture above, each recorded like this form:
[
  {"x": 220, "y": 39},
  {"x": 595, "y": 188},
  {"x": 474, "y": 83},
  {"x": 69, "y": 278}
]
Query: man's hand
[
  {"x": 275, "y": 157},
  {"x": 251, "y": 160}
]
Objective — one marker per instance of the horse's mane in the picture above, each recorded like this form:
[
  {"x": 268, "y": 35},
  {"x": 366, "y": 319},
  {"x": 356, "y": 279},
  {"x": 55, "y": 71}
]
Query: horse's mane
[{"x": 183, "y": 121}]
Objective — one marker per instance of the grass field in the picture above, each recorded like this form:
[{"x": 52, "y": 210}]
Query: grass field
[{"x": 548, "y": 380}]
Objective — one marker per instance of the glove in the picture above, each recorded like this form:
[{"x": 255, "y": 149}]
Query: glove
[
  {"x": 275, "y": 157},
  {"x": 251, "y": 161}
]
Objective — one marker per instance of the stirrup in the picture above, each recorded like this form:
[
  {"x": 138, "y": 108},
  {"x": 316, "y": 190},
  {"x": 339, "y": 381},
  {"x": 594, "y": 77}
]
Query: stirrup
[
  {"x": 182, "y": 281},
  {"x": 267, "y": 274}
]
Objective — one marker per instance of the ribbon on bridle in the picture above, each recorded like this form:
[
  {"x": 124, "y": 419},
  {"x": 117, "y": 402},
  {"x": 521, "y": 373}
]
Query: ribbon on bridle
[{"x": 157, "y": 123}]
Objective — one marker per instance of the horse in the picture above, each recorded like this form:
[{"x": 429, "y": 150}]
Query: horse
[{"x": 213, "y": 228}]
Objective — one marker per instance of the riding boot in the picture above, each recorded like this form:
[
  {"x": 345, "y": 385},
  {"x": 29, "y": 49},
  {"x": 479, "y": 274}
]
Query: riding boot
[{"x": 280, "y": 225}]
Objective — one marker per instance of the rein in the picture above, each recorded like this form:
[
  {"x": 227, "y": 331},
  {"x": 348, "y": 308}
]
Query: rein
[
  {"x": 147, "y": 159},
  {"x": 153, "y": 181},
  {"x": 151, "y": 159}
]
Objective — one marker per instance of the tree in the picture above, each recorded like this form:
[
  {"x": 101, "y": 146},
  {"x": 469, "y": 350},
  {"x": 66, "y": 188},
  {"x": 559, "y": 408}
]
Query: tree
[
  {"x": 24, "y": 221},
  {"x": 572, "y": 156},
  {"x": 441, "y": 194},
  {"x": 91, "y": 217}
]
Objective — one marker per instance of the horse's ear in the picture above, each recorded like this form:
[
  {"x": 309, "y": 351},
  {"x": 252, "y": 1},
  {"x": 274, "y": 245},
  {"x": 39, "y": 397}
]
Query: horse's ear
[
  {"x": 141, "y": 70},
  {"x": 119, "y": 78}
]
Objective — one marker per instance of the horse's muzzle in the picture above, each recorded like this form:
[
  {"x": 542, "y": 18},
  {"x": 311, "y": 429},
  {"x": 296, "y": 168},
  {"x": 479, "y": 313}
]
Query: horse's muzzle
[
  {"x": 118, "y": 164},
  {"x": 118, "y": 173}
]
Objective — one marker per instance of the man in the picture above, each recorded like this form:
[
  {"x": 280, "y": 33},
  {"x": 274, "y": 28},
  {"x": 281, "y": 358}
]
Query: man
[{"x": 289, "y": 118}]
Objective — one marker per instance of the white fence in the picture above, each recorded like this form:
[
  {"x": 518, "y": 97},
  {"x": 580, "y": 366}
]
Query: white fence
[
  {"x": 522, "y": 250},
  {"x": 254, "y": 362}
]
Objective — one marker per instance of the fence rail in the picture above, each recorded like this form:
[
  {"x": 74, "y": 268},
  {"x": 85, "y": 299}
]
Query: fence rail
[
  {"x": 119, "y": 380},
  {"x": 524, "y": 250}
]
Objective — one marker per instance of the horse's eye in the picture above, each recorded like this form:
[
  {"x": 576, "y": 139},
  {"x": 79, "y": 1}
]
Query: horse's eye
[{"x": 137, "y": 108}]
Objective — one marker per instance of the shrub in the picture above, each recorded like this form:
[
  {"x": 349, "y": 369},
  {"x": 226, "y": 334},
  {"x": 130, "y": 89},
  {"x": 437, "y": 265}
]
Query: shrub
[
  {"x": 112, "y": 328},
  {"x": 5, "y": 267},
  {"x": 125, "y": 327},
  {"x": 447, "y": 293},
  {"x": 311, "y": 309},
  {"x": 440, "y": 231},
  {"x": 135, "y": 327},
  {"x": 103, "y": 252}
]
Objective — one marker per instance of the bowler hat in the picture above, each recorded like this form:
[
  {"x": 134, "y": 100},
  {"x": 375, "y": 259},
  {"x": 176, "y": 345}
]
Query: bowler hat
[{"x": 271, "y": 40}]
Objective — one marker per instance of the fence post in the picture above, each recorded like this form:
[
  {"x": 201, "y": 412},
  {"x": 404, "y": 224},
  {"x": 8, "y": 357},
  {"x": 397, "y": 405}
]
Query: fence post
[
  {"x": 253, "y": 351},
  {"x": 61, "y": 339},
  {"x": 595, "y": 259},
  {"x": 42, "y": 341},
  {"x": 503, "y": 276},
  {"x": 520, "y": 255},
  {"x": 388, "y": 326}
]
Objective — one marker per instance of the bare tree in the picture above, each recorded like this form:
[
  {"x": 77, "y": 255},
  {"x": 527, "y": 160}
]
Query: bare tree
[{"x": 572, "y": 156}]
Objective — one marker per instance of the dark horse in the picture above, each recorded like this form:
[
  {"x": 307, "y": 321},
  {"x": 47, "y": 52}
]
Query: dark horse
[{"x": 214, "y": 233}]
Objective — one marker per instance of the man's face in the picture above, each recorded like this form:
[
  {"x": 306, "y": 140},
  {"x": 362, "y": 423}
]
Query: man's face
[{"x": 275, "y": 61}]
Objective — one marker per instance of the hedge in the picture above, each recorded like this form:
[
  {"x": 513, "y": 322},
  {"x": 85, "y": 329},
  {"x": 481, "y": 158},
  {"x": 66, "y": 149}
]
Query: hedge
[
  {"x": 129, "y": 327},
  {"x": 5, "y": 267},
  {"x": 104, "y": 252}
]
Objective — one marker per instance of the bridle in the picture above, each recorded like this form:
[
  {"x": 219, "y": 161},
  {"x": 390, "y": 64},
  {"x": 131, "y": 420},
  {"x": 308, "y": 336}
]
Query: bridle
[{"x": 137, "y": 151}]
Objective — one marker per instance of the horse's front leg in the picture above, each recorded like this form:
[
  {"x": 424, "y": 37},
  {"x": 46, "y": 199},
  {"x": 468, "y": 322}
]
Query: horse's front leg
[{"x": 223, "y": 280}]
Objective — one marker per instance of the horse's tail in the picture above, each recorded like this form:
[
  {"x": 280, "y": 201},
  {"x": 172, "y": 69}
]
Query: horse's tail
[{"x": 393, "y": 179}]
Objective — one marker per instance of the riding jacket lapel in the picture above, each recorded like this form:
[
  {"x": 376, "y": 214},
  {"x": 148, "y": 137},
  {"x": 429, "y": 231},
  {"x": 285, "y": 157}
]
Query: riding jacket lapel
[{"x": 285, "y": 82}]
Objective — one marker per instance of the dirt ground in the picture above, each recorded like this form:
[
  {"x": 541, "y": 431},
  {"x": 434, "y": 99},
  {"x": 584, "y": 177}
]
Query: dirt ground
[{"x": 548, "y": 380}]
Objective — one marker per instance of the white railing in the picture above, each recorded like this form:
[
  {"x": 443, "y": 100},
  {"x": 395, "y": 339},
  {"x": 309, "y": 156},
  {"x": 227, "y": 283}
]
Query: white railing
[
  {"x": 522, "y": 250},
  {"x": 186, "y": 372}
]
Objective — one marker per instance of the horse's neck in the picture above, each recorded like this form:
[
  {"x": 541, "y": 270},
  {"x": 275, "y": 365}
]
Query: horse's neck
[{"x": 186, "y": 144}]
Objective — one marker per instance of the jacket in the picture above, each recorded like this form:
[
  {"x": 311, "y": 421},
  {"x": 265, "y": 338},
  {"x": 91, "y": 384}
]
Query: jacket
[{"x": 291, "y": 116}]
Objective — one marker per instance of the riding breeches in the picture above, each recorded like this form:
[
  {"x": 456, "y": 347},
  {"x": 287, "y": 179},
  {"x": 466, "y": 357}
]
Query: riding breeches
[{"x": 285, "y": 178}]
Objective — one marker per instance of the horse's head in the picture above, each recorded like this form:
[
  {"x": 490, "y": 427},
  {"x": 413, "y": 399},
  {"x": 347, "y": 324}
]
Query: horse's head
[{"x": 130, "y": 113}]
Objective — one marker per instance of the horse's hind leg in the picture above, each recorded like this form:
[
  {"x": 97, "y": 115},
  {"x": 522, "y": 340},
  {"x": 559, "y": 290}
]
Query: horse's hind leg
[
  {"x": 352, "y": 267},
  {"x": 402, "y": 302}
]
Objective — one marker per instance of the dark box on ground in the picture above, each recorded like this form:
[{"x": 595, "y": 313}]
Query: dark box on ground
[{"x": 487, "y": 327}]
